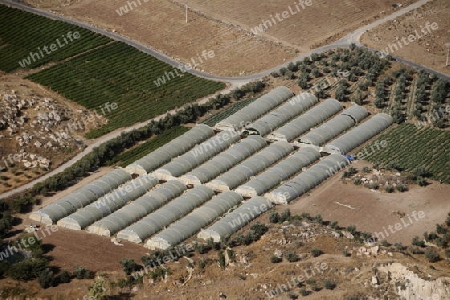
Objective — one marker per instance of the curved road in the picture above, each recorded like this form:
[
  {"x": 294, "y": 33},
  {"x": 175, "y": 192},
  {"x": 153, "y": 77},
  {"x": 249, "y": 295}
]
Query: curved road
[{"x": 352, "y": 37}]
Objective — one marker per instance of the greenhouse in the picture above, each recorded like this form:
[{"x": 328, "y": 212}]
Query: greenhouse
[
  {"x": 193, "y": 222},
  {"x": 138, "y": 209},
  {"x": 256, "y": 109},
  {"x": 197, "y": 155},
  {"x": 309, "y": 119},
  {"x": 108, "y": 203},
  {"x": 235, "y": 220},
  {"x": 280, "y": 172},
  {"x": 81, "y": 197},
  {"x": 360, "y": 134},
  {"x": 334, "y": 127},
  {"x": 308, "y": 179},
  {"x": 282, "y": 114},
  {"x": 224, "y": 161},
  {"x": 251, "y": 166},
  {"x": 172, "y": 149},
  {"x": 166, "y": 215}
]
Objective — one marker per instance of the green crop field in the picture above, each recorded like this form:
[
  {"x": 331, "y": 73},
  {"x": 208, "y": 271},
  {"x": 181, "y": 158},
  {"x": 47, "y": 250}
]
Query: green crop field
[
  {"x": 223, "y": 114},
  {"x": 120, "y": 73},
  {"x": 149, "y": 146},
  {"x": 411, "y": 148},
  {"x": 22, "y": 32}
]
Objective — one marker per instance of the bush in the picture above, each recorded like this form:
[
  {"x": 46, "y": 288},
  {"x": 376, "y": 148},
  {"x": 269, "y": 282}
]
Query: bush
[
  {"x": 221, "y": 259},
  {"x": 334, "y": 225},
  {"x": 274, "y": 217},
  {"x": 399, "y": 246},
  {"x": 329, "y": 284},
  {"x": 64, "y": 277},
  {"x": 275, "y": 259},
  {"x": 385, "y": 243},
  {"x": 129, "y": 265},
  {"x": 304, "y": 292},
  {"x": 45, "y": 278},
  {"x": 316, "y": 252},
  {"x": 259, "y": 229},
  {"x": 285, "y": 215},
  {"x": 292, "y": 257},
  {"x": 418, "y": 242},
  {"x": 415, "y": 250},
  {"x": 432, "y": 255},
  {"x": 81, "y": 272},
  {"x": 389, "y": 188},
  {"x": 401, "y": 188},
  {"x": 357, "y": 181}
]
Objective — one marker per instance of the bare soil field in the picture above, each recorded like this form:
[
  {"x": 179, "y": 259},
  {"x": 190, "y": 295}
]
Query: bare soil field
[
  {"x": 374, "y": 211},
  {"x": 225, "y": 28},
  {"x": 429, "y": 50}
]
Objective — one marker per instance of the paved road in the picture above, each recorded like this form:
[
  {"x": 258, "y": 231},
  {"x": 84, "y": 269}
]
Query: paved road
[{"x": 353, "y": 37}]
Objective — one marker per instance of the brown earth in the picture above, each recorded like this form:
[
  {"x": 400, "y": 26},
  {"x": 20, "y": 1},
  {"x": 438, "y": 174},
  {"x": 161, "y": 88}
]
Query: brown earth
[
  {"x": 374, "y": 211},
  {"x": 430, "y": 50},
  {"x": 225, "y": 28}
]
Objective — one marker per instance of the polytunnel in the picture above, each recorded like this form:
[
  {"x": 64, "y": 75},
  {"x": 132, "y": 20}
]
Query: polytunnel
[
  {"x": 164, "y": 216},
  {"x": 197, "y": 155},
  {"x": 251, "y": 166},
  {"x": 280, "y": 172},
  {"x": 307, "y": 180},
  {"x": 342, "y": 122},
  {"x": 359, "y": 134},
  {"x": 137, "y": 209},
  {"x": 192, "y": 223},
  {"x": 235, "y": 220},
  {"x": 174, "y": 148},
  {"x": 282, "y": 114},
  {"x": 307, "y": 120},
  {"x": 81, "y": 197},
  {"x": 256, "y": 109},
  {"x": 224, "y": 161},
  {"x": 108, "y": 203}
]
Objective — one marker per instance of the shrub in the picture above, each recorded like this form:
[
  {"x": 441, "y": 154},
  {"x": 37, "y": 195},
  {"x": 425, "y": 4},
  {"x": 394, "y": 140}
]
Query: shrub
[
  {"x": 329, "y": 284},
  {"x": 304, "y": 292},
  {"x": 389, "y": 188},
  {"x": 285, "y": 215},
  {"x": 292, "y": 257},
  {"x": 274, "y": 217},
  {"x": 275, "y": 259},
  {"x": 385, "y": 243},
  {"x": 316, "y": 252},
  {"x": 129, "y": 265},
  {"x": 418, "y": 242},
  {"x": 334, "y": 225},
  {"x": 64, "y": 277},
  {"x": 45, "y": 278},
  {"x": 447, "y": 253},
  {"x": 221, "y": 259},
  {"x": 432, "y": 255},
  {"x": 81, "y": 272},
  {"x": 351, "y": 229},
  {"x": 399, "y": 246},
  {"x": 401, "y": 188},
  {"x": 415, "y": 250},
  {"x": 357, "y": 181}
]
